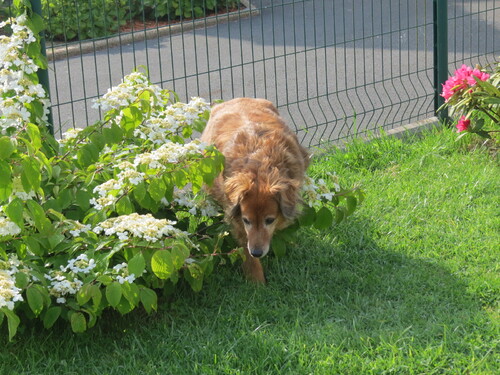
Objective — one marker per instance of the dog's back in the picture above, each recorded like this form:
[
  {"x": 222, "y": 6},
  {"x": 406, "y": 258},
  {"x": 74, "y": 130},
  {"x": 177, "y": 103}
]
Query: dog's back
[
  {"x": 264, "y": 170},
  {"x": 245, "y": 126}
]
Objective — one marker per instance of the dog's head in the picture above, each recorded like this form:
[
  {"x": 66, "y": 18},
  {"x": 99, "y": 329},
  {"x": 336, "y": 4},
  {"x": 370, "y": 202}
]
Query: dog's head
[{"x": 261, "y": 205}]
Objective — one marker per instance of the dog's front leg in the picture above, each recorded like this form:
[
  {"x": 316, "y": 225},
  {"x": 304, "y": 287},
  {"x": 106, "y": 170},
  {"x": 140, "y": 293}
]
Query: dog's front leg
[{"x": 253, "y": 269}]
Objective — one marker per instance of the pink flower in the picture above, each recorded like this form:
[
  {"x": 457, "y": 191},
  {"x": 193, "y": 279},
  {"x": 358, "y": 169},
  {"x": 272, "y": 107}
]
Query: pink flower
[
  {"x": 463, "y": 124},
  {"x": 463, "y": 79}
]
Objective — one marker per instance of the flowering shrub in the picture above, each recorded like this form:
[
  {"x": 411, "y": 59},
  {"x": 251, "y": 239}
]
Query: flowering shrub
[
  {"x": 111, "y": 215},
  {"x": 475, "y": 95}
]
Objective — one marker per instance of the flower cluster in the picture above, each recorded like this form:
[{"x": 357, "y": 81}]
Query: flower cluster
[
  {"x": 81, "y": 264},
  {"x": 463, "y": 124},
  {"x": 197, "y": 204},
  {"x": 317, "y": 191},
  {"x": 16, "y": 90},
  {"x": 61, "y": 286},
  {"x": 462, "y": 80},
  {"x": 121, "y": 274},
  {"x": 169, "y": 153},
  {"x": 109, "y": 192},
  {"x": 9, "y": 292},
  {"x": 78, "y": 228},
  {"x": 128, "y": 91},
  {"x": 473, "y": 94},
  {"x": 141, "y": 226},
  {"x": 18, "y": 189},
  {"x": 8, "y": 227},
  {"x": 175, "y": 117},
  {"x": 70, "y": 134}
]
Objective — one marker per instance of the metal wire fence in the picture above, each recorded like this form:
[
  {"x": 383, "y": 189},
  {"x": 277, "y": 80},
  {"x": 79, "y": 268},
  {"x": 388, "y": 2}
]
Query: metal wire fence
[{"x": 332, "y": 67}]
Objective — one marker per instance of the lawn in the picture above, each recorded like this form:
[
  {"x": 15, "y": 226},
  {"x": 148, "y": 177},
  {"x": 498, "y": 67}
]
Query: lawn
[{"x": 408, "y": 285}]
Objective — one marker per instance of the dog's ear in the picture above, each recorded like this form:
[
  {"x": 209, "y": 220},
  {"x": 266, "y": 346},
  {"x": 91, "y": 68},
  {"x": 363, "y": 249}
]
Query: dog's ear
[
  {"x": 287, "y": 192},
  {"x": 235, "y": 188},
  {"x": 233, "y": 212}
]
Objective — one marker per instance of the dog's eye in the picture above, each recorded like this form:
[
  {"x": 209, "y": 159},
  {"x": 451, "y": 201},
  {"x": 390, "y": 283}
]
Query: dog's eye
[
  {"x": 246, "y": 221},
  {"x": 269, "y": 220}
]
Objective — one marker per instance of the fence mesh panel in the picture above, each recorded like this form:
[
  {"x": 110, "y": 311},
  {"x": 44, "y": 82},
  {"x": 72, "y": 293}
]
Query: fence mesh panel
[{"x": 333, "y": 67}]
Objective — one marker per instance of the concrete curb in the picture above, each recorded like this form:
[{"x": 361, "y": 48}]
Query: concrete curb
[
  {"x": 413, "y": 128},
  {"x": 402, "y": 131},
  {"x": 64, "y": 51}
]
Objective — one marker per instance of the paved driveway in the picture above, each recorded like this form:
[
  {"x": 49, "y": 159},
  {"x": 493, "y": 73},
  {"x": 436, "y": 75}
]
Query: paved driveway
[{"x": 331, "y": 66}]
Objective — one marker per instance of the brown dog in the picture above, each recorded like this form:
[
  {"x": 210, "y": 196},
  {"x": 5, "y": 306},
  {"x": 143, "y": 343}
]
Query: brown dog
[{"x": 264, "y": 170}]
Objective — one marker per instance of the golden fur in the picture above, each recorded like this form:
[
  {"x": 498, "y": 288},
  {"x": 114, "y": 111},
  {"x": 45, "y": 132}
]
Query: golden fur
[{"x": 264, "y": 170}]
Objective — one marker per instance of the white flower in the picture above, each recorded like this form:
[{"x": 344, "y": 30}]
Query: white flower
[
  {"x": 169, "y": 153},
  {"x": 8, "y": 227},
  {"x": 80, "y": 264},
  {"x": 9, "y": 293},
  {"x": 79, "y": 228},
  {"x": 141, "y": 226},
  {"x": 15, "y": 88},
  {"x": 129, "y": 279},
  {"x": 61, "y": 286},
  {"x": 120, "y": 272},
  {"x": 71, "y": 133}
]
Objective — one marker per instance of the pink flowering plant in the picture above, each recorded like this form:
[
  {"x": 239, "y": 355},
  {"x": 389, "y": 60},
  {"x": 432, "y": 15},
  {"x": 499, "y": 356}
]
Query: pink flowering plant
[
  {"x": 113, "y": 215},
  {"x": 474, "y": 95}
]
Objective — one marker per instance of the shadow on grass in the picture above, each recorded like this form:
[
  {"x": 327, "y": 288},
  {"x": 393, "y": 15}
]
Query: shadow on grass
[{"x": 329, "y": 299}]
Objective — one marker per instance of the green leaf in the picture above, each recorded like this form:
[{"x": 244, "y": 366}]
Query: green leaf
[
  {"x": 96, "y": 294},
  {"x": 194, "y": 276},
  {"x": 124, "y": 206},
  {"x": 114, "y": 293},
  {"x": 136, "y": 265},
  {"x": 83, "y": 295},
  {"x": 12, "y": 322},
  {"x": 78, "y": 322},
  {"x": 131, "y": 118},
  {"x": 30, "y": 174},
  {"x": 352, "y": 203},
  {"x": 149, "y": 299},
  {"x": 157, "y": 189},
  {"x": 140, "y": 191},
  {"x": 307, "y": 216},
  {"x": 33, "y": 245},
  {"x": 34, "y": 134},
  {"x": 488, "y": 87},
  {"x": 35, "y": 300},
  {"x": 82, "y": 198},
  {"x": 51, "y": 316},
  {"x": 131, "y": 293},
  {"x": 5, "y": 180},
  {"x": 38, "y": 215},
  {"x": 14, "y": 211},
  {"x": 22, "y": 280},
  {"x": 179, "y": 254},
  {"x": 87, "y": 155},
  {"x": 98, "y": 141},
  {"x": 324, "y": 219},
  {"x": 6, "y": 148},
  {"x": 340, "y": 213},
  {"x": 162, "y": 264},
  {"x": 492, "y": 100},
  {"x": 278, "y": 246},
  {"x": 112, "y": 134}
]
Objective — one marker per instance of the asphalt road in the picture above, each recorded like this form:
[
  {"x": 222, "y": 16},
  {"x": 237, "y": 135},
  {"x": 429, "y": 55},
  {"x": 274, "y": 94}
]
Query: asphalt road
[{"x": 331, "y": 66}]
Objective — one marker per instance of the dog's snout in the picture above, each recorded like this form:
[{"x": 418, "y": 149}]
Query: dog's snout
[{"x": 257, "y": 253}]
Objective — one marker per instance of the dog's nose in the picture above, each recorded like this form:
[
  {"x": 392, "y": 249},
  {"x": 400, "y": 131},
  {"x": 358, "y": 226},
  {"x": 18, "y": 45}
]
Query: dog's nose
[{"x": 257, "y": 253}]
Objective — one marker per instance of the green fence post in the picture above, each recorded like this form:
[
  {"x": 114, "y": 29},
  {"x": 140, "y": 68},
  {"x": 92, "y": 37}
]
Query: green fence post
[
  {"x": 440, "y": 10},
  {"x": 43, "y": 74}
]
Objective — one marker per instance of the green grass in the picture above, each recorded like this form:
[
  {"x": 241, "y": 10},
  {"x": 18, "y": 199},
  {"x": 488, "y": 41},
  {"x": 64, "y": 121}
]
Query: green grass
[{"x": 408, "y": 285}]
